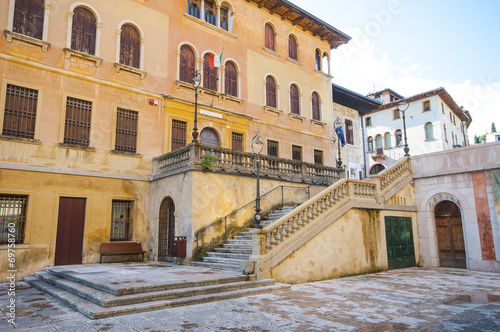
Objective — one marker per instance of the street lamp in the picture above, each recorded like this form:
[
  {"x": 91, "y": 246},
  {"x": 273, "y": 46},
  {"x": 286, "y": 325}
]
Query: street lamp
[
  {"x": 402, "y": 107},
  {"x": 257, "y": 146},
  {"x": 196, "y": 85},
  {"x": 337, "y": 123}
]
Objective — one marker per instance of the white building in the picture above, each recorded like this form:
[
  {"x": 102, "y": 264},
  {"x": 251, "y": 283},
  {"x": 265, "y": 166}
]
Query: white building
[{"x": 434, "y": 122}]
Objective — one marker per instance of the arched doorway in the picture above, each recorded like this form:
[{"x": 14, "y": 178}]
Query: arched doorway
[
  {"x": 450, "y": 235},
  {"x": 166, "y": 231},
  {"x": 377, "y": 168},
  {"x": 209, "y": 136}
]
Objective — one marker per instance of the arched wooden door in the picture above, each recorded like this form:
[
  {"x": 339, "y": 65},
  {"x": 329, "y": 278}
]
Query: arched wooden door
[
  {"x": 450, "y": 235},
  {"x": 166, "y": 230},
  {"x": 208, "y": 136}
]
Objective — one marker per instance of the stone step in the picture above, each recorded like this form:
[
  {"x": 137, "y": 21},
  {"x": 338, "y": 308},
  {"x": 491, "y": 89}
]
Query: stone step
[
  {"x": 224, "y": 260},
  {"x": 228, "y": 255},
  {"x": 107, "y": 300},
  {"x": 95, "y": 311},
  {"x": 237, "y": 246},
  {"x": 246, "y": 242},
  {"x": 234, "y": 250},
  {"x": 243, "y": 237},
  {"x": 219, "y": 266}
]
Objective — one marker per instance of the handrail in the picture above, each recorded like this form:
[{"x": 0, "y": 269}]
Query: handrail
[{"x": 218, "y": 221}]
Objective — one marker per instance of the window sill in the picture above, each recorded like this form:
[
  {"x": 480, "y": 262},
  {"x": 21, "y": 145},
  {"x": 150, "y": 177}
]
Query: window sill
[
  {"x": 319, "y": 123},
  {"x": 272, "y": 110},
  {"x": 201, "y": 90},
  {"x": 267, "y": 50},
  {"x": 210, "y": 26},
  {"x": 323, "y": 73},
  {"x": 125, "y": 153},
  {"x": 69, "y": 53},
  {"x": 295, "y": 62},
  {"x": 119, "y": 67},
  {"x": 430, "y": 139},
  {"x": 18, "y": 246},
  {"x": 76, "y": 147},
  {"x": 14, "y": 35},
  {"x": 296, "y": 116},
  {"x": 20, "y": 139}
]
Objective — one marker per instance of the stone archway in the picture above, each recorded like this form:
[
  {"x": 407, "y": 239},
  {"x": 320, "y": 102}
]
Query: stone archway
[{"x": 166, "y": 229}]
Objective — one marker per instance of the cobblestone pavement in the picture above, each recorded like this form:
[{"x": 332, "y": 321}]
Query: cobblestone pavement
[{"x": 413, "y": 299}]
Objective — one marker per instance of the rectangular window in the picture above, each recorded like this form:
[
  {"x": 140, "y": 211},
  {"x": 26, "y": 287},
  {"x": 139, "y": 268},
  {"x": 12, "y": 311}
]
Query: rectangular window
[
  {"x": 122, "y": 220},
  {"x": 126, "y": 130},
  {"x": 426, "y": 106},
  {"x": 77, "y": 124},
  {"x": 179, "y": 132},
  {"x": 349, "y": 132},
  {"x": 224, "y": 18},
  {"x": 318, "y": 157},
  {"x": 296, "y": 152},
  {"x": 194, "y": 8},
  {"x": 20, "y": 112},
  {"x": 368, "y": 121},
  {"x": 28, "y": 18},
  {"x": 396, "y": 114},
  {"x": 210, "y": 16},
  {"x": 272, "y": 148},
  {"x": 13, "y": 210},
  {"x": 237, "y": 141}
]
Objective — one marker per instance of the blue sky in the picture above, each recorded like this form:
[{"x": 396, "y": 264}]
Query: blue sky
[{"x": 414, "y": 46}]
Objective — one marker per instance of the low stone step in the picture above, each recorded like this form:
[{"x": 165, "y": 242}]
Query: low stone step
[
  {"x": 243, "y": 237},
  {"x": 94, "y": 311},
  {"x": 234, "y": 250},
  {"x": 228, "y": 255},
  {"x": 237, "y": 246},
  {"x": 224, "y": 260},
  {"x": 238, "y": 241},
  {"x": 219, "y": 266}
]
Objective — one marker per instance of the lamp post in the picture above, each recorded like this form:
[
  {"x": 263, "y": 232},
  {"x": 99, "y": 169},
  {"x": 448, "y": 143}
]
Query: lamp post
[
  {"x": 257, "y": 146},
  {"x": 402, "y": 107},
  {"x": 337, "y": 123},
  {"x": 196, "y": 85}
]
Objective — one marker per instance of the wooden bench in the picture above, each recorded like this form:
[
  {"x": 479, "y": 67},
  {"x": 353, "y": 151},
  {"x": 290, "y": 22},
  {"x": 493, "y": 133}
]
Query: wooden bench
[{"x": 121, "y": 248}]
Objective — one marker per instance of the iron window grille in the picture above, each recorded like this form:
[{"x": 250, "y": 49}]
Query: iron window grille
[
  {"x": 179, "y": 132},
  {"x": 77, "y": 124},
  {"x": 20, "y": 112},
  {"x": 126, "y": 130},
  {"x": 272, "y": 148},
  {"x": 122, "y": 220},
  {"x": 296, "y": 152},
  {"x": 13, "y": 210}
]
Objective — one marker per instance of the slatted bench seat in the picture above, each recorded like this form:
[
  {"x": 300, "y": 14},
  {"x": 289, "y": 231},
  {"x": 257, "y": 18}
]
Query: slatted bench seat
[{"x": 121, "y": 248}]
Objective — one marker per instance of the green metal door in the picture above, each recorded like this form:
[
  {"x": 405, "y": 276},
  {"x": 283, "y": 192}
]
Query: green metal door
[{"x": 400, "y": 248}]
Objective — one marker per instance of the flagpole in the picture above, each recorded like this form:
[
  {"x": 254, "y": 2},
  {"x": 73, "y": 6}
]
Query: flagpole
[{"x": 337, "y": 124}]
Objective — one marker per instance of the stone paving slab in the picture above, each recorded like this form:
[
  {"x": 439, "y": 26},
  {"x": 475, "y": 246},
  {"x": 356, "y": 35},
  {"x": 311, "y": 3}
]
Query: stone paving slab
[{"x": 413, "y": 299}]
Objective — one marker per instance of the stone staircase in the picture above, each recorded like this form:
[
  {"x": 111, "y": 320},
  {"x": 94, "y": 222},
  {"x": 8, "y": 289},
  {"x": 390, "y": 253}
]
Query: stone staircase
[
  {"x": 235, "y": 252},
  {"x": 106, "y": 290}
]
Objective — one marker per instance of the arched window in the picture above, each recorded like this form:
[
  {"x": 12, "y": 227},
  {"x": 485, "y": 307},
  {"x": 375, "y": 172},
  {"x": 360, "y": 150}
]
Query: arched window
[
  {"x": 83, "y": 31},
  {"x": 429, "y": 132},
  {"x": 294, "y": 99},
  {"x": 28, "y": 18},
  {"x": 269, "y": 42},
  {"x": 370, "y": 144},
  {"x": 377, "y": 168},
  {"x": 398, "y": 137},
  {"x": 315, "y": 106},
  {"x": 325, "y": 65},
  {"x": 209, "y": 74},
  {"x": 130, "y": 46},
  {"x": 387, "y": 139},
  {"x": 378, "y": 143},
  {"x": 231, "y": 80},
  {"x": 318, "y": 60},
  {"x": 186, "y": 72},
  {"x": 210, "y": 12},
  {"x": 292, "y": 48},
  {"x": 270, "y": 92},
  {"x": 194, "y": 8}
]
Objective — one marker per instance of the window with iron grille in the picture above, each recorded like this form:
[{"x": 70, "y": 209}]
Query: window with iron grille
[
  {"x": 130, "y": 46},
  {"x": 77, "y": 124},
  {"x": 13, "y": 210},
  {"x": 269, "y": 42},
  {"x": 237, "y": 141},
  {"x": 318, "y": 157},
  {"x": 83, "y": 31},
  {"x": 231, "y": 79},
  {"x": 179, "y": 132},
  {"x": 349, "y": 132},
  {"x": 292, "y": 47},
  {"x": 270, "y": 92},
  {"x": 186, "y": 73},
  {"x": 20, "y": 112},
  {"x": 209, "y": 74},
  {"x": 296, "y": 152},
  {"x": 28, "y": 18},
  {"x": 126, "y": 130},
  {"x": 122, "y": 220},
  {"x": 272, "y": 148}
]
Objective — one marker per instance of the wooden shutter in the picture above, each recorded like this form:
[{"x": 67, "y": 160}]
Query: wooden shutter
[
  {"x": 269, "y": 42},
  {"x": 294, "y": 99},
  {"x": 83, "y": 32},
  {"x": 270, "y": 92},
  {"x": 292, "y": 47},
  {"x": 315, "y": 107},
  {"x": 186, "y": 64},
  {"x": 130, "y": 46},
  {"x": 28, "y": 18},
  {"x": 209, "y": 74},
  {"x": 231, "y": 82}
]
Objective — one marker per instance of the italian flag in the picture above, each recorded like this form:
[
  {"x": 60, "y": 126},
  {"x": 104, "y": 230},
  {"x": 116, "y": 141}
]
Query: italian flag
[{"x": 214, "y": 60}]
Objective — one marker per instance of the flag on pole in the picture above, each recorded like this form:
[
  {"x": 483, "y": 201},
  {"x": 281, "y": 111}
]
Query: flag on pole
[
  {"x": 215, "y": 60},
  {"x": 340, "y": 135}
]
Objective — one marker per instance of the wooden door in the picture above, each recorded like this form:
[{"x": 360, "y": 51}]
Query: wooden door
[
  {"x": 399, "y": 238},
  {"x": 208, "y": 136},
  {"x": 450, "y": 235},
  {"x": 70, "y": 226}
]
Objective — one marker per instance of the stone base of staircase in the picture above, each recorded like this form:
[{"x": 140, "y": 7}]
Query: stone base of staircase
[{"x": 106, "y": 290}]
